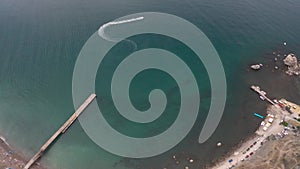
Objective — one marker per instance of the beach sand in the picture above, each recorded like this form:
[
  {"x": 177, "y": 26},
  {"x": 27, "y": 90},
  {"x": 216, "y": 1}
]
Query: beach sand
[
  {"x": 283, "y": 153},
  {"x": 249, "y": 148},
  {"x": 11, "y": 159}
]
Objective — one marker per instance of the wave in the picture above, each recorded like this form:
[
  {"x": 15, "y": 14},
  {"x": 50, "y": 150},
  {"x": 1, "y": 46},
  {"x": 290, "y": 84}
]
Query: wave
[{"x": 101, "y": 31}]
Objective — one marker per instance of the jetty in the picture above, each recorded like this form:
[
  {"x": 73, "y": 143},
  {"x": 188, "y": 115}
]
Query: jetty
[
  {"x": 60, "y": 131},
  {"x": 262, "y": 93}
]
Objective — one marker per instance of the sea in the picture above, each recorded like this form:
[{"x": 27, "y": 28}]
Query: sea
[{"x": 41, "y": 40}]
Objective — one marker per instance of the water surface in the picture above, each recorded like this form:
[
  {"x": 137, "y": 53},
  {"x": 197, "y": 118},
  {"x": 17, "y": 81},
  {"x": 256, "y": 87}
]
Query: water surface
[{"x": 40, "y": 41}]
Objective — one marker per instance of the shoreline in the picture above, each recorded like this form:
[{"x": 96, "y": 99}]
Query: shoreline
[
  {"x": 233, "y": 158},
  {"x": 247, "y": 149},
  {"x": 223, "y": 163},
  {"x": 12, "y": 159},
  {"x": 224, "y": 158},
  {"x": 16, "y": 160}
]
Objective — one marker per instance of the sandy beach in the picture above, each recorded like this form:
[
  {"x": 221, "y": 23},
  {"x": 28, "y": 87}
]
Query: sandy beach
[
  {"x": 247, "y": 150},
  {"x": 9, "y": 159},
  {"x": 282, "y": 153}
]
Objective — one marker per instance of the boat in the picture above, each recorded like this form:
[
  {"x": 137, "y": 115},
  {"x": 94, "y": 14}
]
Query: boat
[{"x": 258, "y": 115}]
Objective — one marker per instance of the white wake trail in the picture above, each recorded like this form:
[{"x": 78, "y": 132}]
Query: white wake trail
[{"x": 101, "y": 30}]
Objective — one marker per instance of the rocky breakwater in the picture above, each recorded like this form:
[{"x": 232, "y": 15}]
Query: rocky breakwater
[{"x": 293, "y": 65}]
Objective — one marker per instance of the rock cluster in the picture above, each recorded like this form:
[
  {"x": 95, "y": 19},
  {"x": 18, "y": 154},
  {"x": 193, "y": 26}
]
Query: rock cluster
[{"x": 293, "y": 65}]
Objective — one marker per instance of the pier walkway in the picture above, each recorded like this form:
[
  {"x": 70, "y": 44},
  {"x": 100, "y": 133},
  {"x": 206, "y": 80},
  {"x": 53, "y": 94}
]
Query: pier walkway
[
  {"x": 262, "y": 94},
  {"x": 60, "y": 131}
]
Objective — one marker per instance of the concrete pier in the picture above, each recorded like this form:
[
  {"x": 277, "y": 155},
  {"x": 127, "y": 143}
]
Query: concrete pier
[
  {"x": 262, "y": 93},
  {"x": 60, "y": 131}
]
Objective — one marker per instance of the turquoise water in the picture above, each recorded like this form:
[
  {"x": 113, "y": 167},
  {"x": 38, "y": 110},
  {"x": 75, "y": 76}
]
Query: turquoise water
[{"x": 40, "y": 41}]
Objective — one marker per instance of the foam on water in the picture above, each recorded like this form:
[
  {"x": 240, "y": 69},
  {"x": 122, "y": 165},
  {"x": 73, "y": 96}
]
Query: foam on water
[
  {"x": 103, "y": 27},
  {"x": 101, "y": 31}
]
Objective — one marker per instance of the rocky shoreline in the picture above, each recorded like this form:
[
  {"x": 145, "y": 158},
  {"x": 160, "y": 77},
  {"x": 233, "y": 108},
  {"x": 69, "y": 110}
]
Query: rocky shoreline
[
  {"x": 290, "y": 65},
  {"x": 291, "y": 61},
  {"x": 293, "y": 65}
]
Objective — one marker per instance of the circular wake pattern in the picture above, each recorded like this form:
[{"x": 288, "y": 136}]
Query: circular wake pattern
[{"x": 93, "y": 53}]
